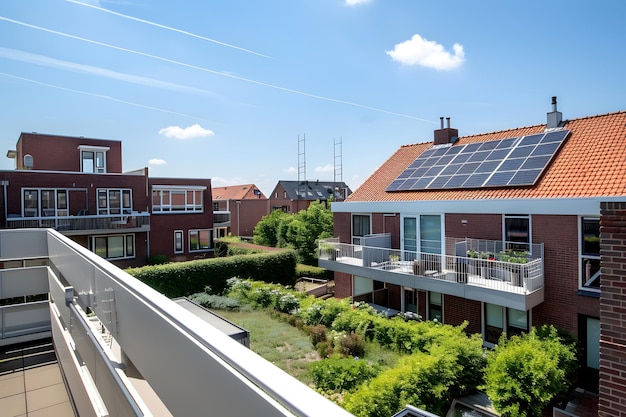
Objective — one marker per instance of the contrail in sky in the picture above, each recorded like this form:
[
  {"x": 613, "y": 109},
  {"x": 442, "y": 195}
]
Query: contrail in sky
[
  {"x": 223, "y": 74},
  {"x": 184, "y": 32},
  {"x": 130, "y": 103}
]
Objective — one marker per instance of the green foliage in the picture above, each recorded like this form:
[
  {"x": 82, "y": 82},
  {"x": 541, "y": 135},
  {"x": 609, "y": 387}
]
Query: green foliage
[
  {"x": 157, "y": 259},
  {"x": 525, "y": 374},
  {"x": 311, "y": 271},
  {"x": 323, "y": 311},
  {"x": 185, "y": 278},
  {"x": 342, "y": 374},
  {"x": 212, "y": 301},
  {"x": 352, "y": 344},
  {"x": 317, "y": 334},
  {"x": 299, "y": 231}
]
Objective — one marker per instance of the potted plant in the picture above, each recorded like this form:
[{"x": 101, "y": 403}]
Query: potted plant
[{"x": 329, "y": 250}]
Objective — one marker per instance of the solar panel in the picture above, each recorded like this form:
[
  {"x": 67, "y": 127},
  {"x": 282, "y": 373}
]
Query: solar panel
[{"x": 516, "y": 161}]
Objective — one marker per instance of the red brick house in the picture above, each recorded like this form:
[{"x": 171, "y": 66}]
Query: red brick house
[
  {"x": 501, "y": 229},
  {"x": 293, "y": 196},
  {"x": 244, "y": 205},
  {"x": 76, "y": 185}
]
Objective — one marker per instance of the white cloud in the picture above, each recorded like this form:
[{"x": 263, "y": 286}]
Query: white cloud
[
  {"x": 291, "y": 170},
  {"x": 190, "y": 132},
  {"x": 157, "y": 161},
  {"x": 324, "y": 169},
  {"x": 356, "y": 2},
  {"x": 225, "y": 182},
  {"x": 420, "y": 51}
]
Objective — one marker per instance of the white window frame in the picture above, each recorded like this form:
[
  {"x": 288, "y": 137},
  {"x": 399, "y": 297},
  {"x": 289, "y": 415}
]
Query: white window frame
[
  {"x": 418, "y": 231},
  {"x": 39, "y": 210},
  {"x": 179, "y": 236},
  {"x": 356, "y": 239},
  {"x": 196, "y": 232},
  {"x": 166, "y": 207},
  {"x": 113, "y": 211},
  {"x": 96, "y": 150},
  {"x": 582, "y": 280},
  {"x": 530, "y": 229},
  {"x": 128, "y": 238}
]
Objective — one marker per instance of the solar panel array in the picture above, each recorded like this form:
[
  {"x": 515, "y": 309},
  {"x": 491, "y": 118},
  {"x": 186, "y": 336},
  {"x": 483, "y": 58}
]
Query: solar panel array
[{"x": 517, "y": 161}]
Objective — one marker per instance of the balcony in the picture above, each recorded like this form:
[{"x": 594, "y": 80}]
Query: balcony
[
  {"x": 497, "y": 280},
  {"x": 221, "y": 218},
  {"x": 81, "y": 224}
]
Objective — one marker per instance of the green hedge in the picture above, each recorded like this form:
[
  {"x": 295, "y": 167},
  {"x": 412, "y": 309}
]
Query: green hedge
[{"x": 186, "y": 278}]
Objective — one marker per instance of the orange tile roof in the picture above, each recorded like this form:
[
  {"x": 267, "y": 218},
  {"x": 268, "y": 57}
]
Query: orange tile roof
[
  {"x": 236, "y": 192},
  {"x": 591, "y": 163}
]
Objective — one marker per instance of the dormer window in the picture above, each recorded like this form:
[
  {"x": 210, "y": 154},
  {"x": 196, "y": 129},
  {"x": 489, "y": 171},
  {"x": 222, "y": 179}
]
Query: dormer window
[{"x": 93, "y": 159}]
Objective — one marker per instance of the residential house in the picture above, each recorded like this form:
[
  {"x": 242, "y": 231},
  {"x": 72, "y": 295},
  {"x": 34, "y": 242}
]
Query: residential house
[
  {"x": 76, "y": 186},
  {"x": 244, "y": 205},
  {"x": 501, "y": 229},
  {"x": 293, "y": 196}
]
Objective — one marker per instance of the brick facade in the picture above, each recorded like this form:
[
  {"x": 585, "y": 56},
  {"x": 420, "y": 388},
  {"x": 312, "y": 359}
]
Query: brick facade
[{"x": 613, "y": 311}]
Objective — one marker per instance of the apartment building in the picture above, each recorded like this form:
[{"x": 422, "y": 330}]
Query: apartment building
[
  {"x": 293, "y": 196},
  {"x": 76, "y": 186},
  {"x": 501, "y": 229},
  {"x": 243, "y": 206}
]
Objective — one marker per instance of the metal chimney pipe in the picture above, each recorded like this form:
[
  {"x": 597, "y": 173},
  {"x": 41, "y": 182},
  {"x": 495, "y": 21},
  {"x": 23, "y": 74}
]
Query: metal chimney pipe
[
  {"x": 448, "y": 122},
  {"x": 553, "y": 103},
  {"x": 441, "y": 119}
]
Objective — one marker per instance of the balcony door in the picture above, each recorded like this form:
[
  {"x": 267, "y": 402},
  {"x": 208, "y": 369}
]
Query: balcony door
[{"x": 422, "y": 233}]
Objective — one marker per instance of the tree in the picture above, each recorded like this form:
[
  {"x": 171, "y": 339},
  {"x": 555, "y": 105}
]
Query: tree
[
  {"x": 525, "y": 374},
  {"x": 300, "y": 231}
]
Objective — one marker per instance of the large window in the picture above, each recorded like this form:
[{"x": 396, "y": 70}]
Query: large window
[
  {"x": 199, "y": 240},
  {"x": 114, "y": 201},
  {"x": 93, "y": 159},
  {"x": 422, "y": 233},
  {"x": 590, "y": 253},
  {"x": 517, "y": 232},
  {"x": 44, "y": 203},
  {"x": 114, "y": 246},
  {"x": 500, "y": 319},
  {"x": 360, "y": 227},
  {"x": 177, "y": 199}
]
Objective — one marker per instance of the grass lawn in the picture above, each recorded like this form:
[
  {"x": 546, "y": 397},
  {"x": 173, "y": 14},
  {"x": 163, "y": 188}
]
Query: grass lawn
[
  {"x": 289, "y": 348},
  {"x": 280, "y": 343}
]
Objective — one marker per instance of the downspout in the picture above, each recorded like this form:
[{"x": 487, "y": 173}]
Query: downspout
[{"x": 4, "y": 190}]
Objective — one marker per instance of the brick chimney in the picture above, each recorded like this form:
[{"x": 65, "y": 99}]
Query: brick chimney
[{"x": 445, "y": 135}]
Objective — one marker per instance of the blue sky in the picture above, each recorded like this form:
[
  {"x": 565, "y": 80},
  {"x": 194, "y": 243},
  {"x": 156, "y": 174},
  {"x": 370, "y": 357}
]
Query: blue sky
[{"x": 249, "y": 91}]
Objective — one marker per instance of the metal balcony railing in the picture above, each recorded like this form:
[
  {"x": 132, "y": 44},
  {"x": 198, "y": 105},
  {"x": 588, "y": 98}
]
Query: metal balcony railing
[
  {"x": 486, "y": 263},
  {"x": 221, "y": 218},
  {"x": 132, "y": 220}
]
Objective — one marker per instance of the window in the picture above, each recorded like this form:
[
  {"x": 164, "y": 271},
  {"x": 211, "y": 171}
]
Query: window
[
  {"x": 517, "y": 232},
  {"x": 177, "y": 199},
  {"x": 590, "y": 253},
  {"x": 435, "y": 306},
  {"x": 216, "y": 206},
  {"x": 113, "y": 247},
  {"x": 178, "y": 241},
  {"x": 199, "y": 240},
  {"x": 114, "y": 201},
  {"x": 500, "y": 319},
  {"x": 422, "y": 234},
  {"x": 93, "y": 159},
  {"x": 360, "y": 227},
  {"x": 45, "y": 203}
]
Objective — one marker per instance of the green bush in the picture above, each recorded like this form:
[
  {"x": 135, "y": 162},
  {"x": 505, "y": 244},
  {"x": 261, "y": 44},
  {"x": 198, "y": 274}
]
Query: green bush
[
  {"x": 309, "y": 271},
  {"x": 341, "y": 374},
  {"x": 352, "y": 344},
  {"x": 185, "y": 278},
  {"x": 317, "y": 334},
  {"x": 157, "y": 259},
  {"x": 287, "y": 303},
  {"x": 215, "y": 301},
  {"x": 526, "y": 374}
]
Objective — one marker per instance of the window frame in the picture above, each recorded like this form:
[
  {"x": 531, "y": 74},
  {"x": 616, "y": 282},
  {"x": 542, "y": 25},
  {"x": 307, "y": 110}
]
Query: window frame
[
  {"x": 585, "y": 282},
  {"x": 431, "y": 306},
  {"x": 197, "y": 233},
  {"x": 506, "y": 323},
  {"x": 517, "y": 245},
  {"x": 105, "y": 197},
  {"x": 128, "y": 246},
  {"x": 164, "y": 199},
  {"x": 179, "y": 241},
  {"x": 365, "y": 219},
  {"x": 98, "y": 157}
]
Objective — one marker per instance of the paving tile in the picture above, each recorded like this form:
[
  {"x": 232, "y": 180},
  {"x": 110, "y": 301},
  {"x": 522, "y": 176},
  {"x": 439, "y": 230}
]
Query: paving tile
[
  {"x": 42, "y": 377},
  {"x": 13, "y": 406},
  {"x": 11, "y": 384},
  {"x": 58, "y": 410},
  {"x": 46, "y": 397}
]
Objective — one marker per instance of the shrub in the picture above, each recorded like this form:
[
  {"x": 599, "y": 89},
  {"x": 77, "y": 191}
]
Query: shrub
[
  {"x": 352, "y": 344},
  {"x": 525, "y": 374},
  {"x": 324, "y": 349},
  {"x": 287, "y": 303},
  {"x": 215, "y": 301},
  {"x": 157, "y": 259},
  {"x": 317, "y": 334},
  {"x": 341, "y": 374}
]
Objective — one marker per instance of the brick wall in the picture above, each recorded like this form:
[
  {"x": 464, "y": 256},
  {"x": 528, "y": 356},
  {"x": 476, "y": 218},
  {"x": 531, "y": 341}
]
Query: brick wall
[{"x": 613, "y": 310}]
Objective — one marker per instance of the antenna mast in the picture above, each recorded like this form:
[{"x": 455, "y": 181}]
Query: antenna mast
[{"x": 338, "y": 176}]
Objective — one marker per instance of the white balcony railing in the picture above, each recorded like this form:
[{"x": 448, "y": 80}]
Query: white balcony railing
[
  {"x": 87, "y": 222},
  {"x": 510, "y": 275}
]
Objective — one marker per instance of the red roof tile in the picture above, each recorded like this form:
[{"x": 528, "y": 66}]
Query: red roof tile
[
  {"x": 236, "y": 192},
  {"x": 591, "y": 163}
]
